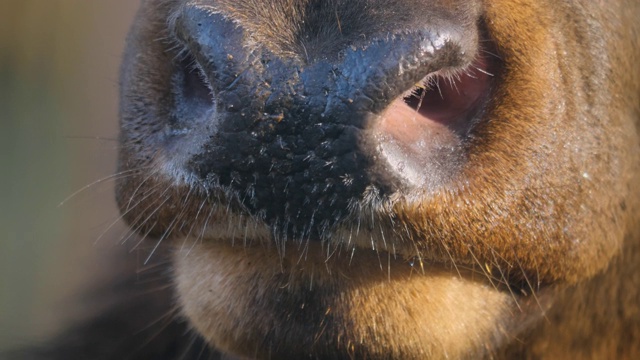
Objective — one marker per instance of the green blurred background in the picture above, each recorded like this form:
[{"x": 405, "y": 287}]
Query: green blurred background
[{"x": 58, "y": 127}]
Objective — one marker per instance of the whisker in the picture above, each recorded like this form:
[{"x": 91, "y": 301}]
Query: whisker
[
  {"x": 504, "y": 279},
  {"x": 166, "y": 320},
  {"x": 122, "y": 215},
  {"x": 116, "y": 176},
  {"x": 193, "y": 224},
  {"x": 483, "y": 71},
  {"x": 155, "y": 211},
  {"x": 135, "y": 192}
]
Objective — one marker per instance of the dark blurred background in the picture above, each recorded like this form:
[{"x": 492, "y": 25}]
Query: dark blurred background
[{"x": 58, "y": 128}]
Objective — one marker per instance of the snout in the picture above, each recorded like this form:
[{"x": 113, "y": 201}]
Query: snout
[{"x": 302, "y": 143}]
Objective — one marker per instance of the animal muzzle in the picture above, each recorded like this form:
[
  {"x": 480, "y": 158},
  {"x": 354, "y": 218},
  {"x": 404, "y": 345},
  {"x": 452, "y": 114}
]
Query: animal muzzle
[{"x": 304, "y": 141}]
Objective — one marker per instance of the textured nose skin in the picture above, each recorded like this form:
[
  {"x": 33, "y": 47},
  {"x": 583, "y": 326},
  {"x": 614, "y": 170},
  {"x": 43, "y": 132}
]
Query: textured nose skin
[{"x": 291, "y": 137}]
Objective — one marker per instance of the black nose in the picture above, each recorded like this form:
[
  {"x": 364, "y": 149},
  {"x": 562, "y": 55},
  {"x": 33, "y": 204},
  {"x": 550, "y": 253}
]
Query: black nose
[{"x": 291, "y": 137}]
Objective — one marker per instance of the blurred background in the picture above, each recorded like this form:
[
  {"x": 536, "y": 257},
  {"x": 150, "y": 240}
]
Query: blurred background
[{"x": 58, "y": 128}]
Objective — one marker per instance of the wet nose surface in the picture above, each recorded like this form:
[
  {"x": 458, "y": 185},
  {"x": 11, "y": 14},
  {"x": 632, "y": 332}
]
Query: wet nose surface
[{"x": 298, "y": 141}]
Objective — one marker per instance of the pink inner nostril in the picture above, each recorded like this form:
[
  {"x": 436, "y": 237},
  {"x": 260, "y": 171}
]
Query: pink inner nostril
[
  {"x": 450, "y": 99},
  {"x": 421, "y": 136}
]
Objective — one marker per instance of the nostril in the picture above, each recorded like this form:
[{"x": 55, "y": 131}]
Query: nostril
[
  {"x": 451, "y": 97},
  {"x": 191, "y": 96},
  {"x": 195, "y": 84},
  {"x": 400, "y": 60},
  {"x": 422, "y": 133},
  {"x": 214, "y": 44}
]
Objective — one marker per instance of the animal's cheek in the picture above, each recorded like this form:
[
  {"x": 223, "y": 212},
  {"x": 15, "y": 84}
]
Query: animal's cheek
[{"x": 240, "y": 301}]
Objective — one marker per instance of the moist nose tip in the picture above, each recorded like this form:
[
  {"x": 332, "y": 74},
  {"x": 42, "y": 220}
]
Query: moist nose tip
[{"x": 299, "y": 153}]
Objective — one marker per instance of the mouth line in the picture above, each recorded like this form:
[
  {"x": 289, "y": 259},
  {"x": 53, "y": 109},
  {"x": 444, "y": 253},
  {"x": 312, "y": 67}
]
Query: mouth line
[
  {"x": 389, "y": 249},
  {"x": 311, "y": 257}
]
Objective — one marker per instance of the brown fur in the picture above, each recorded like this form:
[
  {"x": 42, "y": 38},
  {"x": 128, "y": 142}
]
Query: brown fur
[{"x": 531, "y": 251}]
